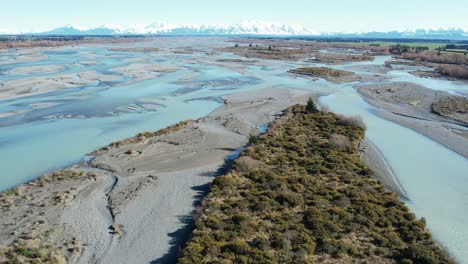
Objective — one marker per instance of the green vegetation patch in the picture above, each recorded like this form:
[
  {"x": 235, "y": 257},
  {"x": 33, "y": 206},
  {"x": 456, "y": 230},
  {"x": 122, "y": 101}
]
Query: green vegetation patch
[
  {"x": 140, "y": 137},
  {"x": 429, "y": 45},
  {"x": 301, "y": 194},
  {"x": 17, "y": 253},
  {"x": 270, "y": 52},
  {"x": 321, "y": 72}
]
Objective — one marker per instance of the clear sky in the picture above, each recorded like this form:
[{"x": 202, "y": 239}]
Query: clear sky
[{"x": 324, "y": 15}]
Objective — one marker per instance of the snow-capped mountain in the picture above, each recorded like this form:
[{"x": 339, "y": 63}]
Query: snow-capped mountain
[
  {"x": 165, "y": 28},
  {"x": 448, "y": 33},
  {"x": 246, "y": 28}
]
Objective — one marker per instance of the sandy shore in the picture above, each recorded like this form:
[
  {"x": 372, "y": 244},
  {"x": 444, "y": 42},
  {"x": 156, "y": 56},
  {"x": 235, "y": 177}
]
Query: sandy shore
[
  {"x": 37, "y": 41},
  {"x": 40, "y": 85},
  {"x": 136, "y": 49},
  {"x": 372, "y": 156},
  {"x": 88, "y": 62},
  {"x": 36, "y": 69},
  {"x": 12, "y": 113},
  {"x": 377, "y": 69},
  {"x": 16, "y": 88},
  {"x": 144, "y": 71},
  {"x": 23, "y": 56},
  {"x": 409, "y": 105}
]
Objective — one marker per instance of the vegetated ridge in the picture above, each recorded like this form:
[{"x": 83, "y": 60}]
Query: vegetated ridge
[{"x": 301, "y": 194}]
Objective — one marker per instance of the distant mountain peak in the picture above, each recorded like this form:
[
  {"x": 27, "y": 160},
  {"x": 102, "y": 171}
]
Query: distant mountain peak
[{"x": 247, "y": 27}]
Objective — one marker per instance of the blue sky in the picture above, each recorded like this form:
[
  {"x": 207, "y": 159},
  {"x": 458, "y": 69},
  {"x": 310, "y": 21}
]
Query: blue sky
[{"x": 324, "y": 15}]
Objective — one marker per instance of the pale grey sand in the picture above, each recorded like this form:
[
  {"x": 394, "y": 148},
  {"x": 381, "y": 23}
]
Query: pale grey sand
[
  {"x": 39, "y": 85},
  {"x": 409, "y": 105},
  {"x": 34, "y": 214},
  {"x": 29, "y": 55},
  {"x": 12, "y": 113},
  {"x": 36, "y": 69},
  {"x": 144, "y": 71},
  {"x": 372, "y": 156},
  {"x": 136, "y": 49},
  {"x": 88, "y": 62},
  {"x": 379, "y": 69}
]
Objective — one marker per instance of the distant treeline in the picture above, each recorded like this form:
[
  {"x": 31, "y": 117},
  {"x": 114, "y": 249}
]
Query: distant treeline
[
  {"x": 399, "y": 49},
  {"x": 453, "y": 46},
  {"x": 5, "y": 38},
  {"x": 34, "y": 38},
  {"x": 367, "y": 40}
]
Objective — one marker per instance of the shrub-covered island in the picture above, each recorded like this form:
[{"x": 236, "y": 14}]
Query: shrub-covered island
[
  {"x": 321, "y": 72},
  {"x": 301, "y": 194}
]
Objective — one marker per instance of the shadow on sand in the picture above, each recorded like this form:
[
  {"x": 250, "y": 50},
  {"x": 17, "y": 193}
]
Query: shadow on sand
[{"x": 179, "y": 237}]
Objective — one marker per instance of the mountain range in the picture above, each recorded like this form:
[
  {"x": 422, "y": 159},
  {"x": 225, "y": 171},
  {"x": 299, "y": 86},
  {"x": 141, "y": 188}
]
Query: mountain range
[
  {"x": 247, "y": 28},
  {"x": 165, "y": 28}
]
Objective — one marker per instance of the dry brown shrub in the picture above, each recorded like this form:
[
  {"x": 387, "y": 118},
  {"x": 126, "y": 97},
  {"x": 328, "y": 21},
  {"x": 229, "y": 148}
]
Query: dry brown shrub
[
  {"x": 450, "y": 105},
  {"x": 321, "y": 72},
  {"x": 324, "y": 109},
  {"x": 246, "y": 163},
  {"x": 351, "y": 121},
  {"x": 434, "y": 57},
  {"x": 454, "y": 70},
  {"x": 339, "y": 141}
]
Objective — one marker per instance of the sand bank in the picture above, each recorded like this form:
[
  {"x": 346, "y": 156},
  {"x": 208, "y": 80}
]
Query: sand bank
[
  {"x": 378, "y": 69},
  {"x": 12, "y": 113},
  {"x": 36, "y": 69},
  {"x": 135, "y": 49},
  {"x": 372, "y": 156},
  {"x": 410, "y": 105},
  {"x": 21, "y": 57},
  {"x": 88, "y": 62},
  {"x": 40, "y": 85},
  {"x": 144, "y": 71}
]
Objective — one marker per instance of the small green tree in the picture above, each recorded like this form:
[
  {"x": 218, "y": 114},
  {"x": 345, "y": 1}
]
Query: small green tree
[
  {"x": 269, "y": 47},
  {"x": 253, "y": 139},
  {"x": 236, "y": 46},
  {"x": 311, "y": 107}
]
